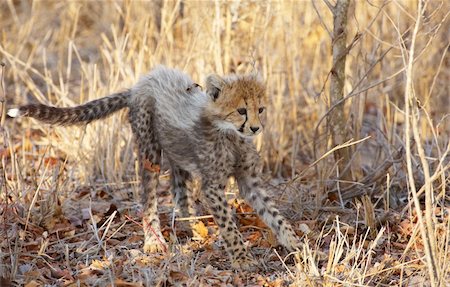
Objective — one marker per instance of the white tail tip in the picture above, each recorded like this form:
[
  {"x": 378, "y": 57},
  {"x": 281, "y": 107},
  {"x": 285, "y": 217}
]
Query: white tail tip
[{"x": 13, "y": 113}]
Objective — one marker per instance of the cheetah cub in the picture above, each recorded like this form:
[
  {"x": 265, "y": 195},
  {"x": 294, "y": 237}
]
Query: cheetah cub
[{"x": 203, "y": 134}]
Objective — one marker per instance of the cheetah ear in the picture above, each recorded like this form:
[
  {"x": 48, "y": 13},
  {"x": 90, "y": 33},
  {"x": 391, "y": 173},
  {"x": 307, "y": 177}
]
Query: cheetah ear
[{"x": 214, "y": 85}]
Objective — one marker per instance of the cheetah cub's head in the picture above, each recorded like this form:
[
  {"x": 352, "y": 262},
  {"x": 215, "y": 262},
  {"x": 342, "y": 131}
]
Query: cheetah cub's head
[{"x": 238, "y": 103}]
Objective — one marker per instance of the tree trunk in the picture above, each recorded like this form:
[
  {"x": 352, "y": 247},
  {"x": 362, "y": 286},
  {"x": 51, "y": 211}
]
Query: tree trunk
[{"x": 337, "y": 121}]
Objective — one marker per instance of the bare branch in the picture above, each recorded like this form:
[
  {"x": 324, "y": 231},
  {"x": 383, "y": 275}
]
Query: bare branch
[
  {"x": 426, "y": 225},
  {"x": 331, "y": 7},
  {"x": 313, "y": 2}
]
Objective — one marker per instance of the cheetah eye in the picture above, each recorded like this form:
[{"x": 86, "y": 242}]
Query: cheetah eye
[
  {"x": 242, "y": 111},
  {"x": 261, "y": 109}
]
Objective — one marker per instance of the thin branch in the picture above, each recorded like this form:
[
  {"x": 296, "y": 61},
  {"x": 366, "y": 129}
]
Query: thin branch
[
  {"x": 331, "y": 7},
  {"x": 380, "y": 172},
  {"x": 313, "y": 2},
  {"x": 352, "y": 94},
  {"x": 426, "y": 228}
]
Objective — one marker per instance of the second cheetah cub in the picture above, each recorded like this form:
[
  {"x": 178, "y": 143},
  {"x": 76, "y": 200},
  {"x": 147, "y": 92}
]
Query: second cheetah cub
[{"x": 208, "y": 135}]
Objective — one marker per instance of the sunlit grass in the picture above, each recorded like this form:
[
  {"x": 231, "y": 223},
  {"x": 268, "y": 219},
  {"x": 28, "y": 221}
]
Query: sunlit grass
[{"x": 69, "y": 52}]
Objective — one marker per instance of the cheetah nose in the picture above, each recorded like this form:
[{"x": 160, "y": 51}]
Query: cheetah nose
[{"x": 254, "y": 129}]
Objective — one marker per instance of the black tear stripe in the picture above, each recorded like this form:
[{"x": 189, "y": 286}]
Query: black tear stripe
[{"x": 241, "y": 129}]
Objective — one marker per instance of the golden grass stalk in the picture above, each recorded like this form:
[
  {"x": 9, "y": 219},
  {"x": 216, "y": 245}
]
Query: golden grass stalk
[{"x": 86, "y": 50}]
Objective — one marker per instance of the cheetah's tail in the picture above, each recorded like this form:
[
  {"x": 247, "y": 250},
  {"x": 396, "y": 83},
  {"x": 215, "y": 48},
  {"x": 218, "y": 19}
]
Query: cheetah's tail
[{"x": 90, "y": 111}]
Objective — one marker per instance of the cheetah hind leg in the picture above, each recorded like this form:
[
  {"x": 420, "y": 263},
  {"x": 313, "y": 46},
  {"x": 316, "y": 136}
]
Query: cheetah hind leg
[
  {"x": 154, "y": 240},
  {"x": 149, "y": 156}
]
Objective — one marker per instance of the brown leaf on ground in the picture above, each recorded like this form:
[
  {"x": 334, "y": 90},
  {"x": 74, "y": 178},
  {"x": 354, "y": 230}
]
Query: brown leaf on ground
[
  {"x": 148, "y": 165},
  {"x": 123, "y": 283},
  {"x": 99, "y": 264},
  {"x": 51, "y": 161},
  {"x": 57, "y": 273},
  {"x": 200, "y": 229},
  {"x": 255, "y": 237},
  {"x": 177, "y": 277},
  {"x": 33, "y": 283}
]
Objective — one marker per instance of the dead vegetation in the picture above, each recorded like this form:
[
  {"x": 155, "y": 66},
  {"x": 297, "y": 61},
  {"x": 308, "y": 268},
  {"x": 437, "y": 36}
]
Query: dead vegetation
[{"x": 69, "y": 196}]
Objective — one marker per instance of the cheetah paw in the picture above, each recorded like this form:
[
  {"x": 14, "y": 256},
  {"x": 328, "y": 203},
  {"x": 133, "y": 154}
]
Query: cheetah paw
[
  {"x": 153, "y": 245},
  {"x": 295, "y": 245},
  {"x": 292, "y": 242}
]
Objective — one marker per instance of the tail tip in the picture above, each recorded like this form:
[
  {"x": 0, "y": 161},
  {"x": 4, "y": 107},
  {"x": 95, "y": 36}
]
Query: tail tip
[{"x": 14, "y": 113}]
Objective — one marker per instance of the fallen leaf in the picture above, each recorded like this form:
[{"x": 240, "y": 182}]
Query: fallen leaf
[
  {"x": 33, "y": 283},
  {"x": 58, "y": 273},
  {"x": 177, "y": 277},
  {"x": 51, "y": 161},
  {"x": 254, "y": 237},
  {"x": 148, "y": 165},
  {"x": 200, "y": 229},
  {"x": 99, "y": 265},
  {"x": 122, "y": 283},
  {"x": 134, "y": 239}
]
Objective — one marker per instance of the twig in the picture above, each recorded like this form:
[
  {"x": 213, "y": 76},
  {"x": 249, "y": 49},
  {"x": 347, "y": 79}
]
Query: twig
[
  {"x": 435, "y": 176},
  {"x": 349, "y": 191},
  {"x": 352, "y": 94},
  {"x": 331, "y": 7},
  {"x": 357, "y": 38},
  {"x": 313, "y": 2},
  {"x": 284, "y": 264},
  {"x": 344, "y": 145},
  {"x": 427, "y": 231}
]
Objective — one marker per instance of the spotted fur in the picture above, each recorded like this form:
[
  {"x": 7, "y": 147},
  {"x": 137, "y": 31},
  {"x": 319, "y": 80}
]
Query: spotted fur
[
  {"x": 83, "y": 114},
  {"x": 206, "y": 135}
]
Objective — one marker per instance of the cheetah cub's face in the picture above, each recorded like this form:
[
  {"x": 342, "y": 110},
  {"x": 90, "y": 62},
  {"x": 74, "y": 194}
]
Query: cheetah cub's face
[{"x": 238, "y": 103}]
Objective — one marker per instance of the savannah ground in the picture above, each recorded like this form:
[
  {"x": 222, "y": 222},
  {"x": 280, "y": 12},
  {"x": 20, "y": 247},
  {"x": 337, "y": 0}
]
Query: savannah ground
[{"x": 70, "y": 213}]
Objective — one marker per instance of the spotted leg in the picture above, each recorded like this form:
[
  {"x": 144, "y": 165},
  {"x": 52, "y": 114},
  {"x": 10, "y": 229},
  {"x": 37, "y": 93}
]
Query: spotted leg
[
  {"x": 213, "y": 191},
  {"x": 180, "y": 192},
  {"x": 182, "y": 195},
  {"x": 149, "y": 156},
  {"x": 251, "y": 188}
]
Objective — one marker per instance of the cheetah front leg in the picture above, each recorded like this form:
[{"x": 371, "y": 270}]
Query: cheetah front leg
[
  {"x": 251, "y": 189},
  {"x": 180, "y": 192},
  {"x": 234, "y": 243},
  {"x": 182, "y": 195}
]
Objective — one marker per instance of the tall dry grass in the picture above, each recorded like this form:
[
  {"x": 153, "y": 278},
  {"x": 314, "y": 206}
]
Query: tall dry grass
[{"x": 68, "y": 52}]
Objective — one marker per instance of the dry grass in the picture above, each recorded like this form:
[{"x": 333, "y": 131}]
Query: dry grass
[{"x": 389, "y": 226}]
